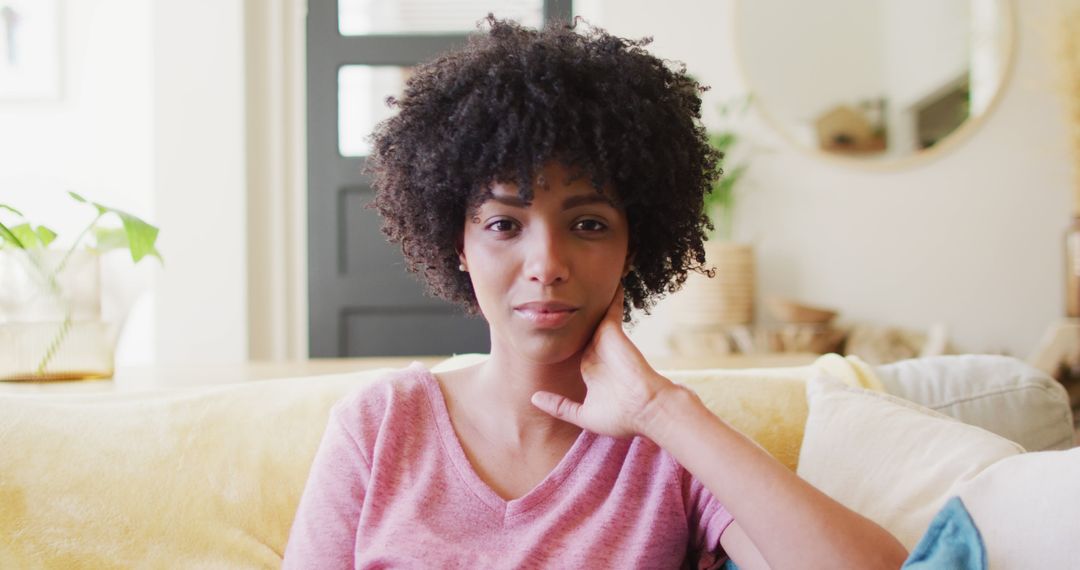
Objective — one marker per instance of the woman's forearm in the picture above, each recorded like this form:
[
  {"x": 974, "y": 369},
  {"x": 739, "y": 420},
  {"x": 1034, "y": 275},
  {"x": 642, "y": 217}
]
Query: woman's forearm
[{"x": 792, "y": 524}]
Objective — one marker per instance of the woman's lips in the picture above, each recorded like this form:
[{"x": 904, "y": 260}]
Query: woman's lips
[{"x": 545, "y": 315}]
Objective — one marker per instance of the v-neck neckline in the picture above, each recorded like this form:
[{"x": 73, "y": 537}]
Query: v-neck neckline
[{"x": 456, "y": 452}]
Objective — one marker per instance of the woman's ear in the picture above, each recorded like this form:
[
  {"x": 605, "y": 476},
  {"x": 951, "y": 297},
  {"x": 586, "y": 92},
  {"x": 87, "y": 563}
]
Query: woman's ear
[
  {"x": 628, "y": 265},
  {"x": 460, "y": 246}
]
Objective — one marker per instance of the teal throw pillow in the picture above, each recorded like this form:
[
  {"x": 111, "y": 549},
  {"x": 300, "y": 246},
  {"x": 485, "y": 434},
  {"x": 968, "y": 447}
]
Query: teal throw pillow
[{"x": 952, "y": 541}]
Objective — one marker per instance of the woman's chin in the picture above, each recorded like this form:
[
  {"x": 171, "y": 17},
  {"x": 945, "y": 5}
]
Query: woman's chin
[{"x": 550, "y": 350}]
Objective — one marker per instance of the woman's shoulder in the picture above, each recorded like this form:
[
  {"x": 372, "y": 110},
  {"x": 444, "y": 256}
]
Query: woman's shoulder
[{"x": 400, "y": 389}]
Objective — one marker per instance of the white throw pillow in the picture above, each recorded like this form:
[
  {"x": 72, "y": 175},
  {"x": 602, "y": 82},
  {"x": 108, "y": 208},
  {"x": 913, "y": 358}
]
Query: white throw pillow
[
  {"x": 1000, "y": 393},
  {"x": 1027, "y": 509},
  {"x": 888, "y": 459}
]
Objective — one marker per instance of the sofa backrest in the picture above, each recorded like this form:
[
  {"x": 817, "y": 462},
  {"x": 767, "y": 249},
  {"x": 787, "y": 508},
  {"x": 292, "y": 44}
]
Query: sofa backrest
[
  {"x": 210, "y": 476},
  {"x": 1001, "y": 394}
]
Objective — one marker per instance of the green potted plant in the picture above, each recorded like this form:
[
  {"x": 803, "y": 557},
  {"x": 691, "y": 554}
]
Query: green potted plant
[
  {"x": 50, "y": 298},
  {"x": 720, "y": 203}
]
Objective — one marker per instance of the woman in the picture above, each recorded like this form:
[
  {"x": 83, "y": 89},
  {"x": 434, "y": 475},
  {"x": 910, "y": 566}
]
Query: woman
[{"x": 550, "y": 181}]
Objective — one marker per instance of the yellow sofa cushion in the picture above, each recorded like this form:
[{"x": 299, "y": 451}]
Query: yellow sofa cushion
[
  {"x": 769, "y": 404},
  {"x": 210, "y": 477}
]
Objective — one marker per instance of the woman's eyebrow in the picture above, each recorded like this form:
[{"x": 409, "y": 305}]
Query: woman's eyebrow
[{"x": 571, "y": 202}]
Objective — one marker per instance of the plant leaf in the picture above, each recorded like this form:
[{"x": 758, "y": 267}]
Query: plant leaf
[
  {"x": 140, "y": 236},
  {"x": 106, "y": 239},
  {"x": 9, "y": 208},
  {"x": 723, "y": 141},
  {"x": 26, "y": 234},
  {"x": 45, "y": 235},
  {"x": 102, "y": 210},
  {"x": 733, "y": 176},
  {"x": 10, "y": 237}
]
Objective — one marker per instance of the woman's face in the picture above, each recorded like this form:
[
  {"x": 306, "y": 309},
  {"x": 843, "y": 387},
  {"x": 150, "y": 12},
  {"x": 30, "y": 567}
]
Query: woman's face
[{"x": 545, "y": 271}]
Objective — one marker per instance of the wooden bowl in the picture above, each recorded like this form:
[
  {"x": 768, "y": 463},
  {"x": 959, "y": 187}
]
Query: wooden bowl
[{"x": 790, "y": 311}]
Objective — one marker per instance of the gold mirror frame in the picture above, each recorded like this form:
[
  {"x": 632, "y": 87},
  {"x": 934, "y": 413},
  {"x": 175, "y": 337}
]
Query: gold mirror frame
[{"x": 946, "y": 145}]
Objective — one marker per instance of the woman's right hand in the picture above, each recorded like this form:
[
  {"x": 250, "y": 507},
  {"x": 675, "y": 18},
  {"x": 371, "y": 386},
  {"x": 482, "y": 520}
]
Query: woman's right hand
[{"x": 620, "y": 383}]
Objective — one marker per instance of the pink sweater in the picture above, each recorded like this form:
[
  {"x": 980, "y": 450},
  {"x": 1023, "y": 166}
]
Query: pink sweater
[{"x": 391, "y": 487}]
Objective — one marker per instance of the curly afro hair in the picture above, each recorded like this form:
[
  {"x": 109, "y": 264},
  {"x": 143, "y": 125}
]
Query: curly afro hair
[{"x": 515, "y": 99}]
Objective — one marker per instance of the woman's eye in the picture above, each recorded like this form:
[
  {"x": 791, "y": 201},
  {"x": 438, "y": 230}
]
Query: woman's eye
[
  {"x": 502, "y": 226},
  {"x": 590, "y": 226}
]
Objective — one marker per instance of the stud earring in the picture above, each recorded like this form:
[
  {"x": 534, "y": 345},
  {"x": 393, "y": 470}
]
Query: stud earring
[{"x": 461, "y": 267}]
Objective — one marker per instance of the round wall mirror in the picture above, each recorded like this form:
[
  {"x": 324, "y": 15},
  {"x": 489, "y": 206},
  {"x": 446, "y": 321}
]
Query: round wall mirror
[{"x": 876, "y": 82}]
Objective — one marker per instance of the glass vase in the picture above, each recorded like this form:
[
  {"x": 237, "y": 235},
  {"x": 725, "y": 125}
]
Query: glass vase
[{"x": 50, "y": 317}]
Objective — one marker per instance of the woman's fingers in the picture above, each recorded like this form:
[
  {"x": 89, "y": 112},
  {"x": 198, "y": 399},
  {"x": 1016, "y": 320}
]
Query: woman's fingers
[{"x": 558, "y": 406}]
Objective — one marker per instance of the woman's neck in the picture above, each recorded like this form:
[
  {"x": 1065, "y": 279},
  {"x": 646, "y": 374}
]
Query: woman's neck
[{"x": 504, "y": 384}]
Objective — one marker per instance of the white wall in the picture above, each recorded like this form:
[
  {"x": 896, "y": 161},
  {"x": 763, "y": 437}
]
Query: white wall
[
  {"x": 971, "y": 239},
  {"x": 200, "y": 180}
]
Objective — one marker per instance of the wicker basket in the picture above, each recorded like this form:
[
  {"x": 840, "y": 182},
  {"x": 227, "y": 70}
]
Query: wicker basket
[{"x": 726, "y": 299}]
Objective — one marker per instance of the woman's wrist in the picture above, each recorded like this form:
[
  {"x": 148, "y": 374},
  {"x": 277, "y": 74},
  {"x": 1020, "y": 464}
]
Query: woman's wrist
[{"x": 664, "y": 409}]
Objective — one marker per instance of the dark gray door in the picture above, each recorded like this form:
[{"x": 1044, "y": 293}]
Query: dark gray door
[{"x": 361, "y": 301}]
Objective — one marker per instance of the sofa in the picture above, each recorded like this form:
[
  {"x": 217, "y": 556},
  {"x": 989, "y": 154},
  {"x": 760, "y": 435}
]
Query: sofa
[{"x": 210, "y": 477}]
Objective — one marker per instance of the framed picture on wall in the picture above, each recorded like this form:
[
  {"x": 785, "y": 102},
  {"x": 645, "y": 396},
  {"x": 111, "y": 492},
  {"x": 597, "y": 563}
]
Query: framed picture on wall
[{"x": 29, "y": 50}]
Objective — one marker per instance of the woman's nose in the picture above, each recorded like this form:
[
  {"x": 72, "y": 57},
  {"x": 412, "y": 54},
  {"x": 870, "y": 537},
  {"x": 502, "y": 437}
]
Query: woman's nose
[{"x": 546, "y": 260}]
